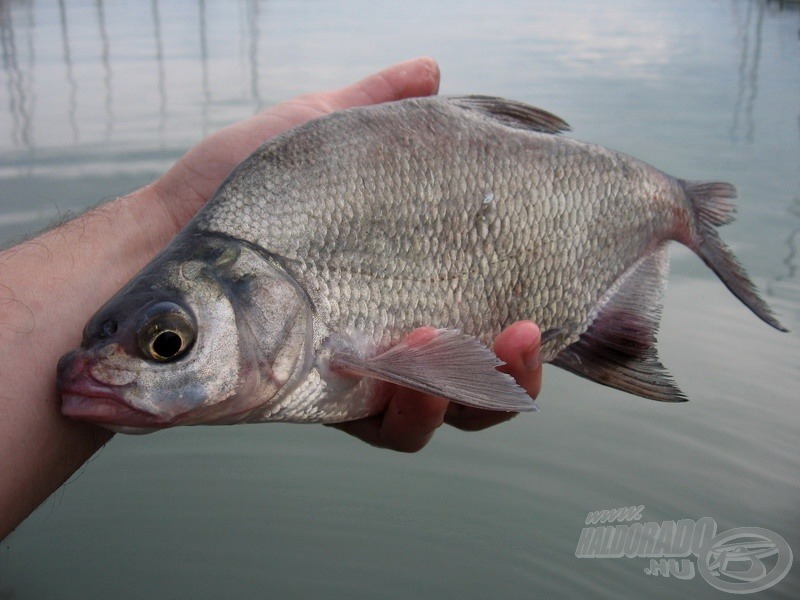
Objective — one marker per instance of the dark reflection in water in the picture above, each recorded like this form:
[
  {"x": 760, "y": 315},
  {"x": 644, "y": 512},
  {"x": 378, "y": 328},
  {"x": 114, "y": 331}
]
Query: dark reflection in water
[
  {"x": 162, "y": 85},
  {"x": 750, "y": 26},
  {"x": 791, "y": 5},
  {"x": 790, "y": 261},
  {"x": 204, "y": 63},
  {"x": 70, "y": 50},
  {"x": 105, "y": 57},
  {"x": 18, "y": 82},
  {"x": 71, "y": 82},
  {"x": 749, "y": 59},
  {"x": 750, "y": 33},
  {"x": 252, "y": 20}
]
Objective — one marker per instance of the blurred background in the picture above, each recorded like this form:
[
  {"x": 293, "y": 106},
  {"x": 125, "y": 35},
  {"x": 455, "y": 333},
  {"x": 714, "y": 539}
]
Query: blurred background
[{"x": 98, "y": 98}]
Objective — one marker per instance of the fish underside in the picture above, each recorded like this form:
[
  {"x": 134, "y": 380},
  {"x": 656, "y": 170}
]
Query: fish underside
[{"x": 289, "y": 296}]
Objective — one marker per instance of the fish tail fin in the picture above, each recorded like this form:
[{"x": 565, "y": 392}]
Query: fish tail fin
[{"x": 712, "y": 207}]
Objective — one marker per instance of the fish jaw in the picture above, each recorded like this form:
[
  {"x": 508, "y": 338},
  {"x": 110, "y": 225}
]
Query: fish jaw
[
  {"x": 108, "y": 412},
  {"x": 84, "y": 398}
]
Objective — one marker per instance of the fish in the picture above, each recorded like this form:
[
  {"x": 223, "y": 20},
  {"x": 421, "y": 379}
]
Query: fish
[{"x": 290, "y": 295}]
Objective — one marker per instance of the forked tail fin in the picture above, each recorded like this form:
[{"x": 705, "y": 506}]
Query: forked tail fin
[{"x": 712, "y": 207}]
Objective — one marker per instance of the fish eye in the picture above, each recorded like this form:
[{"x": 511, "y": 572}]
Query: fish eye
[
  {"x": 167, "y": 333},
  {"x": 166, "y": 345}
]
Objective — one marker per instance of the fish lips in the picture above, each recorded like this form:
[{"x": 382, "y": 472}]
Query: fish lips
[{"x": 83, "y": 398}]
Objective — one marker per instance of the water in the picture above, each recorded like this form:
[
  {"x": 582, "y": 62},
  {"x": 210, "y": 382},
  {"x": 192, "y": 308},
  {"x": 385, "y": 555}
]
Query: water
[{"x": 99, "y": 98}]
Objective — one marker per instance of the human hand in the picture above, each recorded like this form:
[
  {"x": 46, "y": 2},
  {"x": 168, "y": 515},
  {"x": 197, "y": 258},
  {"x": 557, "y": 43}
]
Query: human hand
[{"x": 412, "y": 417}]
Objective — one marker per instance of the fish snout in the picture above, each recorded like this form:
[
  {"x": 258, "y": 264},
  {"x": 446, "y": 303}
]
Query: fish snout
[{"x": 84, "y": 398}]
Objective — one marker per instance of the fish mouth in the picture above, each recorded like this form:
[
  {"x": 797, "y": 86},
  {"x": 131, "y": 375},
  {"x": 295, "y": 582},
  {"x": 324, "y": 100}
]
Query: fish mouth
[
  {"x": 83, "y": 398},
  {"x": 91, "y": 401},
  {"x": 106, "y": 409}
]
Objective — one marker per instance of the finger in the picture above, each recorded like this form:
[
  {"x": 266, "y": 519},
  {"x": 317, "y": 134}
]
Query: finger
[
  {"x": 411, "y": 419},
  {"x": 407, "y": 424},
  {"x": 518, "y": 346},
  {"x": 408, "y": 79},
  {"x": 469, "y": 418},
  {"x": 412, "y": 78},
  {"x": 367, "y": 430}
]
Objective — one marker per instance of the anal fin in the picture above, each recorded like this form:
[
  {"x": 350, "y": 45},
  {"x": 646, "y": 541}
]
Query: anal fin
[
  {"x": 450, "y": 364},
  {"x": 618, "y": 349}
]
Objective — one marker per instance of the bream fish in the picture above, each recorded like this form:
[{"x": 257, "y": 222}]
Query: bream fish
[{"x": 288, "y": 296}]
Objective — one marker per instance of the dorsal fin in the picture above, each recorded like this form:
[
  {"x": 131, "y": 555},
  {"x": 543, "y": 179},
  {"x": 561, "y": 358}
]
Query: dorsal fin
[
  {"x": 512, "y": 113},
  {"x": 618, "y": 349}
]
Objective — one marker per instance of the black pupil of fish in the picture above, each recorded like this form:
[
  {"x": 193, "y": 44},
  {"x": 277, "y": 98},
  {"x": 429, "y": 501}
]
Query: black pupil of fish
[{"x": 167, "y": 344}]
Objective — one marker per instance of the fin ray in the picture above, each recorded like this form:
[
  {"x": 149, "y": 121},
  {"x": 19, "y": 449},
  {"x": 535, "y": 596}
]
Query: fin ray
[
  {"x": 618, "y": 349},
  {"x": 452, "y": 365},
  {"x": 512, "y": 113},
  {"x": 712, "y": 207}
]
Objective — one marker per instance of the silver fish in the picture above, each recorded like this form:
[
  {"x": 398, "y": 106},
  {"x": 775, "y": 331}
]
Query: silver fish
[{"x": 288, "y": 296}]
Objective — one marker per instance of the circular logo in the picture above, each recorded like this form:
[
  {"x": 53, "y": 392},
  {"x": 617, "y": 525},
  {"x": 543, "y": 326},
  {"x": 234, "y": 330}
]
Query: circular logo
[{"x": 744, "y": 560}]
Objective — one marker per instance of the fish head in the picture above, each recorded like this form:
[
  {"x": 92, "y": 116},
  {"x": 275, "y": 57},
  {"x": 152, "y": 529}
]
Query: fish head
[{"x": 210, "y": 331}]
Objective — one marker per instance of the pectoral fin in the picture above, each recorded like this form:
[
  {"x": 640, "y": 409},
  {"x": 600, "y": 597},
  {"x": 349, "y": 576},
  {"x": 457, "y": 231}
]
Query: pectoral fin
[{"x": 451, "y": 365}]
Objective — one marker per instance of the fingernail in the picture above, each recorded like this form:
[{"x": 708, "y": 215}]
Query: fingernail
[{"x": 531, "y": 358}]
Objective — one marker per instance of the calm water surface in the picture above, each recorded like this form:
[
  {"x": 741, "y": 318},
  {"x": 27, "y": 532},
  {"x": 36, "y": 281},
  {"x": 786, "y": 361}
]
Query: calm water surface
[{"x": 98, "y": 98}]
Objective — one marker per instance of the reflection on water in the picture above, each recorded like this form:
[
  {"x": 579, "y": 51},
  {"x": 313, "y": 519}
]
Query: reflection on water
[
  {"x": 18, "y": 81},
  {"x": 38, "y": 41},
  {"x": 162, "y": 86},
  {"x": 792, "y": 239},
  {"x": 245, "y": 24},
  {"x": 72, "y": 84},
  {"x": 99, "y": 97},
  {"x": 253, "y": 10},
  {"x": 791, "y": 242},
  {"x": 750, "y": 57},
  {"x": 105, "y": 58},
  {"x": 204, "y": 63},
  {"x": 749, "y": 18}
]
